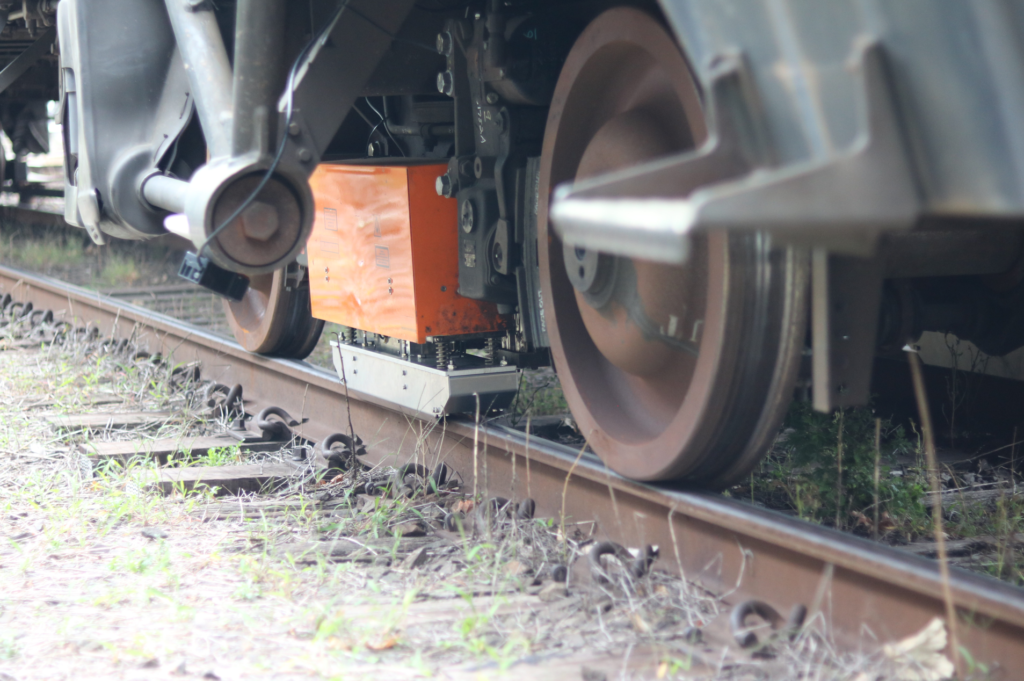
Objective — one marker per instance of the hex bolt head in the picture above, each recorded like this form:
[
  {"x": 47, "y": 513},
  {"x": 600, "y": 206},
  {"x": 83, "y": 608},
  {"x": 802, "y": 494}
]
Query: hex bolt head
[
  {"x": 260, "y": 220},
  {"x": 492, "y": 97},
  {"x": 305, "y": 155},
  {"x": 467, "y": 217},
  {"x": 294, "y": 129},
  {"x": 446, "y": 83},
  {"x": 443, "y": 186},
  {"x": 444, "y": 43}
]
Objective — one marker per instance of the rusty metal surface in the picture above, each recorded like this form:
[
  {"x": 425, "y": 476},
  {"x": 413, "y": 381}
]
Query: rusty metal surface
[{"x": 857, "y": 586}]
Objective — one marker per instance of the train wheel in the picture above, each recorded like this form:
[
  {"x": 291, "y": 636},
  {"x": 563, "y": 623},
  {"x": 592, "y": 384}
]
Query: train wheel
[
  {"x": 670, "y": 371},
  {"x": 272, "y": 320}
]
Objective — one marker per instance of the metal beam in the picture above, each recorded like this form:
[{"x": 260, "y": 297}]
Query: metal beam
[{"x": 27, "y": 59}]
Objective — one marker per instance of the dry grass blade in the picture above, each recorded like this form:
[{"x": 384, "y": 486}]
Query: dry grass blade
[{"x": 933, "y": 478}]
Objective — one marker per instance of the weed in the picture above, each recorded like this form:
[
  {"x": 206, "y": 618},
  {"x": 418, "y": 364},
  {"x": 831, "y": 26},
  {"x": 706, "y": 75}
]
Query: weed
[
  {"x": 43, "y": 254},
  {"x": 8, "y": 648},
  {"x": 804, "y": 466},
  {"x": 119, "y": 270}
]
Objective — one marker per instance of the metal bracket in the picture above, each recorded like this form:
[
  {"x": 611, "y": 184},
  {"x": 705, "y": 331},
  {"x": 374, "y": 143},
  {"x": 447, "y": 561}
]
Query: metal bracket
[
  {"x": 842, "y": 201},
  {"x": 89, "y": 211},
  {"x": 846, "y": 294}
]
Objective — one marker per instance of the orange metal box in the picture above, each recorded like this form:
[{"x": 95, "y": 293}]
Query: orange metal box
[{"x": 383, "y": 254}]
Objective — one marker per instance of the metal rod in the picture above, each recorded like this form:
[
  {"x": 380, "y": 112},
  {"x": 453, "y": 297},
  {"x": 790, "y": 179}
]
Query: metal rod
[
  {"x": 165, "y": 192},
  {"x": 209, "y": 72},
  {"x": 260, "y": 71}
]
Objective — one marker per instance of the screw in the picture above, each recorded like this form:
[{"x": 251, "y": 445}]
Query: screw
[
  {"x": 492, "y": 97},
  {"x": 443, "y": 289},
  {"x": 305, "y": 155},
  {"x": 293, "y": 129},
  {"x": 390, "y": 290}
]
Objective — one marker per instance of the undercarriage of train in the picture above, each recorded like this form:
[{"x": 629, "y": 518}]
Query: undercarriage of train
[{"x": 692, "y": 210}]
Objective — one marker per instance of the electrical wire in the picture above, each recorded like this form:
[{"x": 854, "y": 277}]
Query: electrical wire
[
  {"x": 284, "y": 136},
  {"x": 384, "y": 120}
]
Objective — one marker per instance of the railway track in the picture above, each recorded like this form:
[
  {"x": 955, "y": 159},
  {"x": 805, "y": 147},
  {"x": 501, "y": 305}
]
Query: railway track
[{"x": 723, "y": 545}]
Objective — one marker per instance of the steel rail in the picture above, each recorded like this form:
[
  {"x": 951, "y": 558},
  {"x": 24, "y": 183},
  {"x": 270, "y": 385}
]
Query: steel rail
[{"x": 864, "y": 592}]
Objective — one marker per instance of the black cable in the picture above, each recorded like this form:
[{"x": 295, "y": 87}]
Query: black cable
[
  {"x": 384, "y": 120},
  {"x": 370, "y": 137},
  {"x": 284, "y": 135}
]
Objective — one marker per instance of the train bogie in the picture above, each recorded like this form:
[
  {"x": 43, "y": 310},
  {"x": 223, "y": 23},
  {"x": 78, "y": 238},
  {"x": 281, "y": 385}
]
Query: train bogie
[{"x": 692, "y": 209}]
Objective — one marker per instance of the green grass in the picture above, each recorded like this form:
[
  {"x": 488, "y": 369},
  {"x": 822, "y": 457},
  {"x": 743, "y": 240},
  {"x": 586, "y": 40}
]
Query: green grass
[
  {"x": 40, "y": 254},
  {"x": 119, "y": 270},
  {"x": 805, "y": 473}
]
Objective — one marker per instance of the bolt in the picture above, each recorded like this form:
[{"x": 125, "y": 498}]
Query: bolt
[
  {"x": 443, "y": 289},
  {"x": 492, "y": 97},
  {"x": 293, "y": 129},
  {"x": 443, "y": 185},
  {"x": 390, "y": 290},
  {"x": 466, "y": 217},
  {"x": 305, "y": 155},
  {"x": 499, "y": 254},
  {"x": 260, "y": 220},
  {"x": 446, "y": 83},
  {"x": 444, "y": 43},
  {"x": 327, "y": 269}
]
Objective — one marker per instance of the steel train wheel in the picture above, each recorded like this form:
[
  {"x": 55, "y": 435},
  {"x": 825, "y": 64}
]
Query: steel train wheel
[
  {"x": 670, "y": 371},
  {"x": 271, "y": 320}
]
